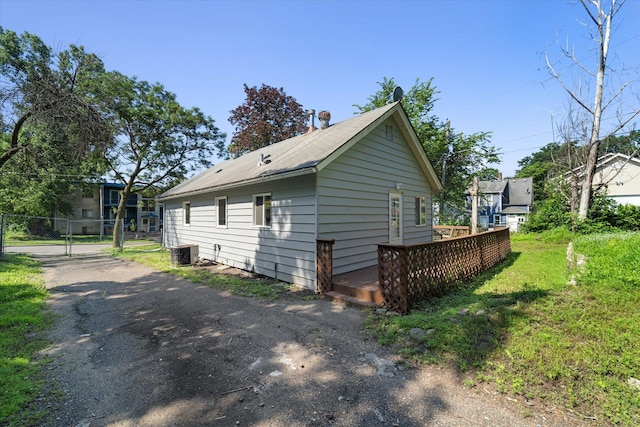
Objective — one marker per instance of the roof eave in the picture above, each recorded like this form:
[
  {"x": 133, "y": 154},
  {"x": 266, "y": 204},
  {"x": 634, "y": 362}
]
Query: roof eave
[{"x": 237, "y": 184}]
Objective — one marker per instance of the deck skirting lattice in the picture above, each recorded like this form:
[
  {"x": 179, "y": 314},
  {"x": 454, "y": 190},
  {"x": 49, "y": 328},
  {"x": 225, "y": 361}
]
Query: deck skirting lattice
[{"x": 408, "y": 274}]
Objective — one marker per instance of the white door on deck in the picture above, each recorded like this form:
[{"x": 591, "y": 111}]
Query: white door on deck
[{"x": 395, "y": 218}]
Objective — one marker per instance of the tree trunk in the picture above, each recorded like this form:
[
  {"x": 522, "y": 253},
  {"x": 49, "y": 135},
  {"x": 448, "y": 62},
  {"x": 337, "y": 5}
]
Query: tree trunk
[
  {"x": 120, "y": 214},
  {"x": 604, "y": 29}
]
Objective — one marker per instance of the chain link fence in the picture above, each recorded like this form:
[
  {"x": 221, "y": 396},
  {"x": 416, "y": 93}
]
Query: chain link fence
[{"x": 18, "y": 232}]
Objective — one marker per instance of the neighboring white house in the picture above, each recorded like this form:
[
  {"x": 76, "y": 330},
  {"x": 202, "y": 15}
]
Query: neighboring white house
[
  {"x": 618, "y": 177},
  {"x": 363, "y": 181}
]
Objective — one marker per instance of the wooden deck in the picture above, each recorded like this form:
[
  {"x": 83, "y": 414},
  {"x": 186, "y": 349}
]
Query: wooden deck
[{"x": 359, "y": 287}]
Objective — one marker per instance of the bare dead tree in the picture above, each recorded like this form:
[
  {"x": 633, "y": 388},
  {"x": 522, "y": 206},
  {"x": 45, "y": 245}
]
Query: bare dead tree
[{"x": 601, "y": 17}]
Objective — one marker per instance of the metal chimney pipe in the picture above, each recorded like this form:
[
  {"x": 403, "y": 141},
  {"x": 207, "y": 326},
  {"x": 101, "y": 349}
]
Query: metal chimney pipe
[{"x": 312, "y": 114}]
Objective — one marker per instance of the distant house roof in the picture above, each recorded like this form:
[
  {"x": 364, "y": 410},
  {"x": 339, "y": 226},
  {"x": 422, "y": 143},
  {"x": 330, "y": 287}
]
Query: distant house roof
[
  {"x": 517, "y": 191},
  {"x": 515, "y": 210},
  {"x": 606, "y": 160},
  {"x": 303, "y": 154},
  {"x": 491, "y": 187},
  {"x": 521, "y": 191}
]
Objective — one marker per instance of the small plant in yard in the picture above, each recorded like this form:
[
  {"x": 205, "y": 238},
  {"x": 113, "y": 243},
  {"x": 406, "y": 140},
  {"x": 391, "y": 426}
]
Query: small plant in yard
[
  {"x": 22, "y": 320},
  {"x": 523, "y": 328}
]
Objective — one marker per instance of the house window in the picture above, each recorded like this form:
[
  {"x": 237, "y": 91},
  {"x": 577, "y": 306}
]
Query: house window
[
  {"x": 87, "y": 213},
  {"x": 496, "y": 219},
  {"x": 186, "y": 213},
  {"x": 262, "y": 210},
  {"x": 87, "y": 193},
  {"x": 148, "y": 205},
  {"x": 221, "y": 203},
  {"x": 421, "y": 210}
]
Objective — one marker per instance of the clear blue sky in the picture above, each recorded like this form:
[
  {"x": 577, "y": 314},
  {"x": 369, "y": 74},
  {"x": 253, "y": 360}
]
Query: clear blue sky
[{"x": 486, "y": 57}]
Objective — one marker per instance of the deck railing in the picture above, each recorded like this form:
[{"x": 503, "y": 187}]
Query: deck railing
[
  {"x": 408, "y": 274},
  {"x": 448, "y": 231}
]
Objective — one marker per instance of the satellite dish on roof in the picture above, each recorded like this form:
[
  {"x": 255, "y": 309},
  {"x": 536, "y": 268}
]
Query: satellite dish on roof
[{"x": 397, "y": 94}]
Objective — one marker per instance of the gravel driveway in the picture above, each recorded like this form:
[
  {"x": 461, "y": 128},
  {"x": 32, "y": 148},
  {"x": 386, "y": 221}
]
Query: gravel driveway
[{"x": 135, "y": 347}]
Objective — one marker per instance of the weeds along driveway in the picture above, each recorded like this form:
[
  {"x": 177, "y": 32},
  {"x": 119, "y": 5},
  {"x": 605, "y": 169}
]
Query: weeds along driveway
[{"x": 135, "y": 347}]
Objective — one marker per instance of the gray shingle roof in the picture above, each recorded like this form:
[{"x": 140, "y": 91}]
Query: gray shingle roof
[
  {"x": 521, "y": 191},
  {"x": 298, "y": 155},
  {"x": 491, "y": 187}
]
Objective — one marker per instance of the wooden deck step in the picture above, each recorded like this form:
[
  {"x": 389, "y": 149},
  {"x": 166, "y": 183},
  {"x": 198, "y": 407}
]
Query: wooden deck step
[
  {"x": 368, "y": 292},
  {"x": 337, "y": 296}
]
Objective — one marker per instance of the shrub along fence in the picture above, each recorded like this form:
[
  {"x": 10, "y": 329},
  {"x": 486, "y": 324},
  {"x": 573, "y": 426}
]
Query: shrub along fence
[{"x": 408, "y": 274}]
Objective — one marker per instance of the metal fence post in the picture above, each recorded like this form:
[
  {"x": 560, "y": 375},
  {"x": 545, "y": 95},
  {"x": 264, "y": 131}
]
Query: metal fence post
[
  {"x": 68, "y": 239},
  {"x": 121, "y": 234},
  {"x": 1, "y": 235}
]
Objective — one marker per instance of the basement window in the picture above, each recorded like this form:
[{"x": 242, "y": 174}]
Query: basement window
[
  {"x": 221, "y": 205},
  {"x": 186, "y": 213}
]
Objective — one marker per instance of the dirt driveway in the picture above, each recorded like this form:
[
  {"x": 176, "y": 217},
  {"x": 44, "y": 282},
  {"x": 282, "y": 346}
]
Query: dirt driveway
[{"x": 134, "y": 347}]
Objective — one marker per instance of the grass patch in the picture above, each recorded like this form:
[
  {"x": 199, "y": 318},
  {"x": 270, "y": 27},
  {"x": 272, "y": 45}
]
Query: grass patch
[
  {"x": 22, "y": 319},
  {"x": 160, "y": 259},
  {"x": 523, "y": 328}
]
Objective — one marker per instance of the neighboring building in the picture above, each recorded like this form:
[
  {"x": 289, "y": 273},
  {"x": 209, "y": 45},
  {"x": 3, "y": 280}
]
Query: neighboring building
[
  {"x": 95, "y": 207},
  {"x": 505, "y": 202},
  {"x": 362, "y": 181},
  {"x": 618, "y": 177}
]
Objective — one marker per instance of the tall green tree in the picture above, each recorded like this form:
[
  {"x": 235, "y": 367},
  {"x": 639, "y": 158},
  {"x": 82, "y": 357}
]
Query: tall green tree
[
  {"x": 457, "y": 156},
  {"x": 267, "y": 116},
  {"x": 53, "y": 130},
  {"x": 49, "y": 94},
  {"x": 158, "y": 141},
  {"x": 541, "y": 166}
]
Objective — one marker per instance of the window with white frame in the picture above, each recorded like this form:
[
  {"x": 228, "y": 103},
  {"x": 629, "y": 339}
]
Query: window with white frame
[
  {"x": 421, "y": 210},
  {"x": 221, "y": 208},
  {"x": 186, "y": 213},
  {"x": 262, "y": 210}
]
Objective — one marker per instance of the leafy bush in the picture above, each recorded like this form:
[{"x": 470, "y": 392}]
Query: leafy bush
[{"x": 605, "y": 216}]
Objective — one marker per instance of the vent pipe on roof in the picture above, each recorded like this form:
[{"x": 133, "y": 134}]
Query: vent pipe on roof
[
  {"x": 324, "y": 117},
  {"x": 499, "y": 176},
  {"x": 312, "y": 114}
]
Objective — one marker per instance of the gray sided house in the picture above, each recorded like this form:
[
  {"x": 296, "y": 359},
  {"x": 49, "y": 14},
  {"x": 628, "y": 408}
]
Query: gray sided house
[{"x": 363, "y": 181}]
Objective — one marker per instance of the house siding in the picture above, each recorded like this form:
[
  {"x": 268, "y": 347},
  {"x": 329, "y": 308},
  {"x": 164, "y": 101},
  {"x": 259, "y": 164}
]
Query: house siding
[
  {"x": 353, "y": 198},
  {"x": 622, "y": 181},
  {"x": 286, "y": 250}
]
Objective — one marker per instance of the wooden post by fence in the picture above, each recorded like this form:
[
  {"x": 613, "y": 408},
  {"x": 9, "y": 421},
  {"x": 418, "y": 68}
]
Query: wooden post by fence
[{"x": 324, "y": 265}]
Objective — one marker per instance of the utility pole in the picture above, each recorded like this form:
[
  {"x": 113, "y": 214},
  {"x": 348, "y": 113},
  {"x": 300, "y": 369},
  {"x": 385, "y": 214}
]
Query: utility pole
[{"x": 444, "y": 170}]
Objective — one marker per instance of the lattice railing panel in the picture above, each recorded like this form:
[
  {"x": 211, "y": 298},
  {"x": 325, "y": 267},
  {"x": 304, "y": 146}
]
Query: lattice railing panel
[
  {"x": 408, "y": 274},
  {"x": 324, "y": 265}
]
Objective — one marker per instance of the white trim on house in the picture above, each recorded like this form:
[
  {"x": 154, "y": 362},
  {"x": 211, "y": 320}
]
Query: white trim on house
[{"x": 395, "y": 218}]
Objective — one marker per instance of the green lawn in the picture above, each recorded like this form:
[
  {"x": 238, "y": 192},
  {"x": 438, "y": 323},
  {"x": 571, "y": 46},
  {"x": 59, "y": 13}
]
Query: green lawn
[
  {"x": 160, "y": 259},
  {"x": 22, "y": 320},
  {"x": 523, "y": 328}
]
